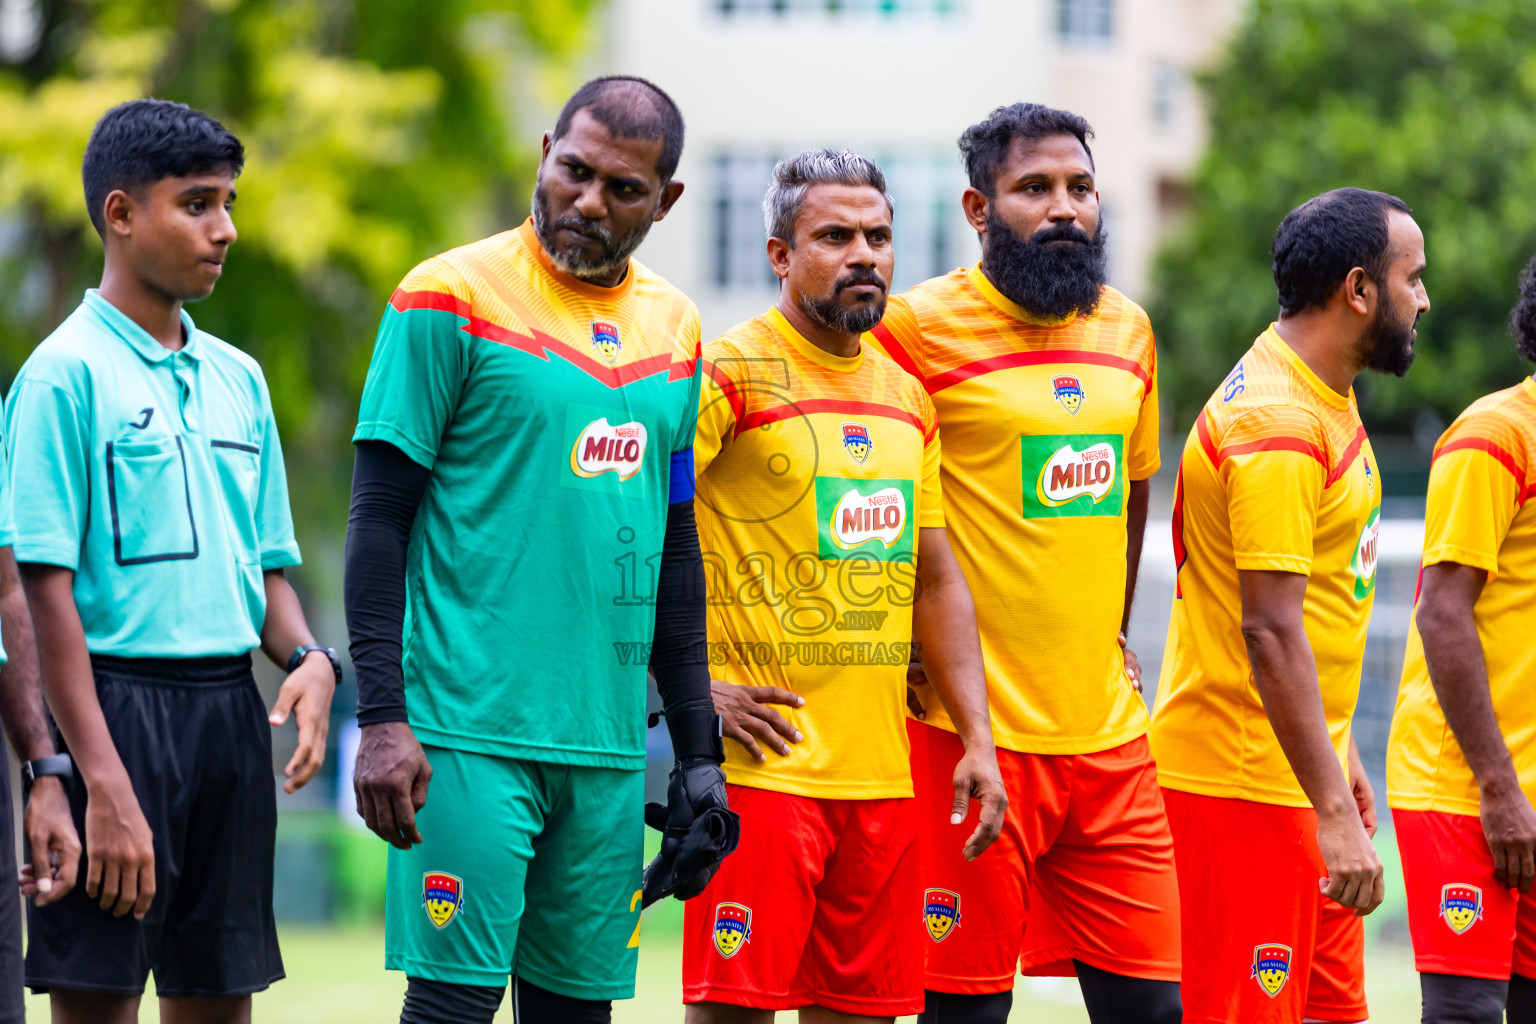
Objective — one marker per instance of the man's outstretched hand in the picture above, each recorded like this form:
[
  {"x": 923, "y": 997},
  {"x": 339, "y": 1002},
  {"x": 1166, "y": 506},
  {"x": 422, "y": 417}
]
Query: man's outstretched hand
[{"x": 390, "y": 782}]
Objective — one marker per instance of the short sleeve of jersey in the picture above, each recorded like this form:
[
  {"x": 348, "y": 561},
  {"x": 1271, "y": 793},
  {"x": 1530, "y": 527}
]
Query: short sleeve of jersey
[
  {"x": 932, "y": 504},
  {"x": 417, "y": 372},
  {"x": 899, "y": 336},
  {"x": 47, "y": 441},
  {"x": 1143, "y": 456},
  {"x": 1273, "y": 464},
  {"x": 1475, "y": 485},
  {"x": 274, "y": 519},
  {"x": 720, "y": 404},
  {"x": 7, "y": 515}
]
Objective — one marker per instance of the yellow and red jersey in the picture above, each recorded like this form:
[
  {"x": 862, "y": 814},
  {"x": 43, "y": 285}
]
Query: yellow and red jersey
[
  {"x": 1045, "y": 423},
  {"x": 814, "y": 474},
  {"x": 1479, "y": 513},
  {"x": 1277, "y": 474}
]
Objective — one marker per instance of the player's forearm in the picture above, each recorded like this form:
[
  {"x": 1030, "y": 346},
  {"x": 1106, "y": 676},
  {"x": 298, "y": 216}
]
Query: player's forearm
[
  {"x": 944, "y": 626},
  {"x": 1135, "y": 532},
  {"x": 67, "y": 679},
  {"x": 387, "y": 489},
  {"x": 285, "y": 628},
  {"x": 1453, "y": 652},
  {"x": 1286, "y": 677},
  {"x": 21, "y": 695}
]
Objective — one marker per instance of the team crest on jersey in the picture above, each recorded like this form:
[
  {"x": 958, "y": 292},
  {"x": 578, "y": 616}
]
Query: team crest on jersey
[
  {"x": 1461, "y": 906},
  {"x": 856, "y": 441},
  {"x": 1370, "y": 479},
  {"x": 605, "y": 338},
  {"x": 1271, "y": 967},
  {"x": 1069, "y": 392},
  {"x": 442, "y": 895},
  {"x": 733, "y": 928},
  {"x": 941, "y": 913},
  {"x": 602, "y": 447}
]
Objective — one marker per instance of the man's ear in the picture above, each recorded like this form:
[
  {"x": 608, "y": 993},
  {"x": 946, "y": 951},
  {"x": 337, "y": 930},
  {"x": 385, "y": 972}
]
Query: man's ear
[
  {"x": 975, "y": 204},
  {"x": 1360, "y": 291},
  {"x": 778, "y": 257},
  {"x": 117, "y": 213},
  {"x": 669, "y": 195}
]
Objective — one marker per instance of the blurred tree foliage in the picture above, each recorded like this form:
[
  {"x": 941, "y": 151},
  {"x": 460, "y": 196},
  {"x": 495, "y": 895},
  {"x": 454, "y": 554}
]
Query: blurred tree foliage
[
  {"x": 1432, "y": 100},
  {"x": 376, "y": 132}
]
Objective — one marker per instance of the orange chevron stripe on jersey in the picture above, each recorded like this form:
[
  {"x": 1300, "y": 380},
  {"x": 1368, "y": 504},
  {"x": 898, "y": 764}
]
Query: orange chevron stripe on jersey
[
  {"x": 1277, "y": 474},
  {"x": 1478, "y": 513},
  {"x": 815, "y": 474},
  {"x": 490, "y": 284},
  {"x": 1046, "y": 423}
]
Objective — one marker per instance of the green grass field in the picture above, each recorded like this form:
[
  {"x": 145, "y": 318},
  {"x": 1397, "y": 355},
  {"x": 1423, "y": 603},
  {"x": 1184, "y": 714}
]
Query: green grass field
[{"x": 336, "y": 976}]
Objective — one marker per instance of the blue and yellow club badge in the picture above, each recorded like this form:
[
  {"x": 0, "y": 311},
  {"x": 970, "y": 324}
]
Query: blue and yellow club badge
[
  {"x": 941, "y": 913},
  {"x": 442, "y": 895},
  {"x": 856, "y": 441},
  {"x": 605, "y": 338},
  {"x": 733, "y": 928},
  {"x": 1271, "y": 967},
  {"x": 1069, "y": 392},
  {"x": 1461, "y": 906}
]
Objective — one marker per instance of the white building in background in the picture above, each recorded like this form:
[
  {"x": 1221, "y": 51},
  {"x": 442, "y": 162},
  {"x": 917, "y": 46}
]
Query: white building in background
[{"x": 898, "y": 80}]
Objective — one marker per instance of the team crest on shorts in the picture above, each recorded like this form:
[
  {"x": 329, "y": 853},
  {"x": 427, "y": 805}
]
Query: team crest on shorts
[
  {"x": 1461, "y": 906},
  {"x": 442, "y": 895},
  {"x": 605, "y": 338},
  {"x": 1271, "y": 967},
  {"x": 1069, "y": 392},
  {"x": 941, "y": 913},
  {"x": 733, "y": 928},
  {"x": 856, "y": 441}
]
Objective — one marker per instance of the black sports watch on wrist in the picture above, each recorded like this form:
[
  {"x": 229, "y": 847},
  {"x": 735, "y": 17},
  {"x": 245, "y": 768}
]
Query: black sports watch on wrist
[
  {"x": 303, "y": 650},
  {"x": 60, "y": 765}
]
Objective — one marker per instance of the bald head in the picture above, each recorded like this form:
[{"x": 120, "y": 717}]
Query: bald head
[{"x": 630, "y": 108}]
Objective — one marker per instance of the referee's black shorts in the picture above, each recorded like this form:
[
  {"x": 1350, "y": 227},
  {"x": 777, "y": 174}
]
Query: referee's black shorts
[{"x": 194, "y": 738}]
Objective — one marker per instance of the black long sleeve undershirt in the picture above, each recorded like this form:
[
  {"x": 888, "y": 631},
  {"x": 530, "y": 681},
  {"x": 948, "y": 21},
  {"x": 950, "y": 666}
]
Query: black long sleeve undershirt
[{"x": 387, "y": 488}]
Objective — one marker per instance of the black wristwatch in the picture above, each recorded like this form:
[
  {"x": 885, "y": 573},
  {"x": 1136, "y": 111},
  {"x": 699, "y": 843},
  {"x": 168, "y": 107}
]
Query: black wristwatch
[
  {"x": 304, "y": 649},
  {"x": 60, "y": 765}
]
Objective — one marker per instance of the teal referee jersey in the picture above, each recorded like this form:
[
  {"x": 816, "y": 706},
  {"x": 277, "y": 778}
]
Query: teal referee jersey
[{"x": 156, "y": 476}]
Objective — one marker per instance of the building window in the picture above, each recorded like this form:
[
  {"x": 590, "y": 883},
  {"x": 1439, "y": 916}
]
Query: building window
[
  {"x": 1085, "y": 21},
  {"x": 930, "y": 232},
  {"x": 831, "y": 8},
  {"x": 1168, "y": 92}
]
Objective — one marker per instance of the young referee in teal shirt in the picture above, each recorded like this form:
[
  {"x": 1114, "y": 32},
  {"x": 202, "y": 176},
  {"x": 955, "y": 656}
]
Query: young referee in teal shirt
[{"x": 152, "y": 537}]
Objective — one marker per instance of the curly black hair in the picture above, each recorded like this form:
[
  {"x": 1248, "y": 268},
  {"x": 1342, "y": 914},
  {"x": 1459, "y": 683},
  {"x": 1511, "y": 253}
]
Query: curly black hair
[{"x": 1522, "y": 319}]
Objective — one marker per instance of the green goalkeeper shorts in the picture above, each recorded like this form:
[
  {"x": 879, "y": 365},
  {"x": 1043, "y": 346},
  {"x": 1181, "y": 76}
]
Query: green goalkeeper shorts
[{"x": 525, "y": 868}]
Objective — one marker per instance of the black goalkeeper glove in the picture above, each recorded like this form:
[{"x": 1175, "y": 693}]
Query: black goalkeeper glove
[{"x": 698, "y": 828}]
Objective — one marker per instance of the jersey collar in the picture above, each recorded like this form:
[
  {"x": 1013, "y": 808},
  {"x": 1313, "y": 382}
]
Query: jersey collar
[
  {"x": 1326, "y": 393},
  {"x": 618, "y": 293},
  {"x": 138, "y": 339},
  {"x": 991, "y": 294},
  {"x": 809, "y": 349}
]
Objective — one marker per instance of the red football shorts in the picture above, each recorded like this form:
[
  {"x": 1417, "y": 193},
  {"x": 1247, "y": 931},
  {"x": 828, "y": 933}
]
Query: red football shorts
[
  {"x": 819, "y": 905},
  {"x": 1083, "y": 869},
  {"x": 1261, "y": 944},
  {"x": 1462, "y": 919}
]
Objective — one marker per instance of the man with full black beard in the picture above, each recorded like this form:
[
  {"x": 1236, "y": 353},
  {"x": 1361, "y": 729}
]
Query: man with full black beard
[{"x": 1045, "y": 384}]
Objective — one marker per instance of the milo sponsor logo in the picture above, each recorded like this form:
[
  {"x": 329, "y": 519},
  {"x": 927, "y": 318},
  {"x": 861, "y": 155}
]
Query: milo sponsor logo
[
  {"x": 869, "y": 518},
  {"x": 1072, "y": 475},
  {"x": 602, "y": 447},
  {"x": 860, "y": 517},
  {"x": 1363, "y": 563}
]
